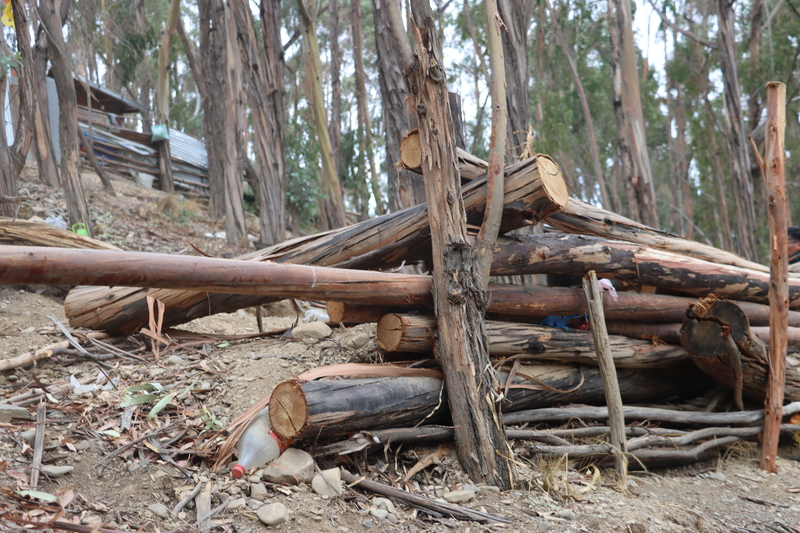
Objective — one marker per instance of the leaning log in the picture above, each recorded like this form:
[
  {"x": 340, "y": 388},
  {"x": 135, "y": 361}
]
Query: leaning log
[
  {"x": 745, "y": 366},
  {"x": 671, "y": 333},
  {"x": 413, "y": 333},
  {"x": 56, "y": 266},
  {"x": 534, "y": 189},
  {"x": 28, "y": 233},
  {"x": 632, "y": 263},
  {"x": 324, "y": 409},
  {"x": 516, "y": 303}
]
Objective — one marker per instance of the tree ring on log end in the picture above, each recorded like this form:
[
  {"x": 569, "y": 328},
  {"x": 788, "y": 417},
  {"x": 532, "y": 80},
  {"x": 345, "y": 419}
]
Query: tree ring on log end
[
  {"x": 552, "y": 181},
  {"x": 390, "y": 332},
  {"x": 288, "y": 409}
]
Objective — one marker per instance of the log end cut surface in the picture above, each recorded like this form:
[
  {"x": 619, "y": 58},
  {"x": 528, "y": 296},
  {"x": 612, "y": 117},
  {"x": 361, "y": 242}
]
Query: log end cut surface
[
  {"x": 390, "y": 332},
  {"x": 288, "y": 409},
  {"x": 553, "y": 182}
]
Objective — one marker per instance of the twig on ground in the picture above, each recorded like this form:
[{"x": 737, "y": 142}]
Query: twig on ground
[{"x": 38, "y": 446}]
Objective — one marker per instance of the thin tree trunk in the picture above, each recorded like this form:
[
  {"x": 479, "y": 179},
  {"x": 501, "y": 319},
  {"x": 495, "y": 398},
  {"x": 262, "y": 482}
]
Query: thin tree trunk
[
  {"x": 68, "y": 118},
  {"x": 333, "y": 206},
  {"x": 640, "y": 179},
  {"x": 587, "y": 113},
  {"x": 743, "y": 191},
  {"x": 162, "y": 95},
  {"x": 335, "y": 124},
  {"x": 683, "y": 164},
  {"x": 43, "y": 137}
]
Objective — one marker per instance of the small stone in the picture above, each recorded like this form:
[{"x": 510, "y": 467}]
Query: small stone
[
  {"x": 312, "y": 330},
  {"x": 367, "y": 524},
  {"x": 544, "y": 526},
  {"x": 56, "y": 471},
  {"x": 153, "y": 372},
  {"x": 566, "y": 514},
  {"x": 28, "y": 436},
  {"x": 83, "y": 445},
  {"x": 235, "y": 503},
  {"x": 7, "y": 412},
  {"x": 292, "y": 467},
  {"x": 254, "y": 479},
  {"x": 632, "y": 482},
  {"x": 175, "y": 360},
  {"x": 472, "y": 488},
  {"x": 90, "y": 519},
  {"x": 159, "y": 509},
  {"x": 490, "y": 488},
  {"x": 234, "y": 490},
  {"x": 358, "y": 341},
  {"x": 273, "y": 514},
  {"x": 719, "y": 476},
  {"x": 384, "y": 503},
  {"x": 380, "y": 514},
  {"x": 258, "y": 491},
  {"x": 27, "y": 330},
  {"x": 458, "y": 496},
  {"x": 392, "y": 518},
  {"x": 328, "y": 483}
]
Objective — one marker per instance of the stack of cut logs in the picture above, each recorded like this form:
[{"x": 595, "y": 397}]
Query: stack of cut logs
[{"x": 685, "y": 313}]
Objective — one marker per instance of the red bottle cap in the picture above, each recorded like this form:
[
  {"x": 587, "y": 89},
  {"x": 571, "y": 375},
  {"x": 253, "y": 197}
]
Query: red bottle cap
[{"x": 238, "y": 471}]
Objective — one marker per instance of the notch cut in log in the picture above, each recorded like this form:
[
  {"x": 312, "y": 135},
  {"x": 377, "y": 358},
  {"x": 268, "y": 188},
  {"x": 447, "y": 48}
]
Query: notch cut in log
[
  {"x": 534, "y": 188},
  {"x": 413, "y": 333},
  {"x": 701, "y": 335},
  {"x": 332, "y": 408}
]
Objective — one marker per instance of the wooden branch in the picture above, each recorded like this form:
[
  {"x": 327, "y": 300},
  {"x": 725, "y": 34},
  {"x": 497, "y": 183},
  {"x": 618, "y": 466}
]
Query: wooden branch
[
  {"x": 42, "y": 353},
  {"x": 616, "y": 418},
  {"x": 38, "y": 446},
  {"x": 408, "y": 58},
  {"x": 28, "y": 233},
  {"x": 413, "y": 333},
  {"x": 673, "y": 416},
  {"x": 420, "y": 502},
  {"x": 778, "y": 210},
  {"x": 636, "y": 264},
  {"x": 677, "y": 28}
]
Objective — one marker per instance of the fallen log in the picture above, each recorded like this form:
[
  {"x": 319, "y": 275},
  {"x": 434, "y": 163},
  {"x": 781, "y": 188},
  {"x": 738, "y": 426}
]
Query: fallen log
[
  {"x": 56, "y": 266},
  {"x": 469, "y": 166},
  {"x": 746, "y": 366},
  {"x": 325, "y": 409},
  {"x": 632, "y": 263},
  {"x": 514, "y": 302},
  {"x": 413, "y": 333},
  {"x": 534, "y": 189},
  {"x": 671, "y": 333},
  {"x": 27, "y": 233}
]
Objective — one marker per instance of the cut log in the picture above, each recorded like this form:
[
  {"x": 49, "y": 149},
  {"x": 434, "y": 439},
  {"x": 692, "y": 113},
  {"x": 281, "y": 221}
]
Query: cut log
[
  {"x": 633, "y": 263},
  {"x": 56, "y": 266},
  {"x": 671, "y": 333},
  {"x": 324, "y": 409},
  {"x": 534, "y": 189},
  {"x": 701, "y": 335},
  {"x": 26, "y": 233},
  {"x": 469, "y": 166},
  {"x": 413, "y": 333},
  {"x": 515, "y": 303}
]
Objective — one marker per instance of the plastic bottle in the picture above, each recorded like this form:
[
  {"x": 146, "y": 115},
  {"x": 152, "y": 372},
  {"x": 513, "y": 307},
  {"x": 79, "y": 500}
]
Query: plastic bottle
[{"x": 258, "y": 445}]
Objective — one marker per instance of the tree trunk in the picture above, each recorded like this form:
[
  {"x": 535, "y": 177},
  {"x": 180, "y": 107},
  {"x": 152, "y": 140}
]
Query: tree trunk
[
  {"x": 68, "y": 119},
  {"x": 534, "y": 189},
  {"x": 332, "y": 207},
  {"x": 266, "y": 93},
  {"x": 400, "y": 182},
  {"x": 43, "y": 137},
  {"x": 743, "y": 191},
  {"x": 335, "y": 124},
  {"x": 162, "y": 95},
  {"x": 640, "y": 179},
  {"x": 219, "y": 120},
  {"x": 416, "y": 334}
]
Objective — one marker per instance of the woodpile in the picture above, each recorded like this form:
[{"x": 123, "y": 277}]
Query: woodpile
[{"x": 684, "y": 315}]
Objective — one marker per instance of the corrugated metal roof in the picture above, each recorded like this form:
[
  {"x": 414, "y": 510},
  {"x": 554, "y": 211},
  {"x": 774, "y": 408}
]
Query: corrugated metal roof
[{"x": 188, "y": 149}]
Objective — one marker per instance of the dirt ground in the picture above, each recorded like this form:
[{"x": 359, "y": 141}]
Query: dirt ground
[{"x": 212, "y": 381}]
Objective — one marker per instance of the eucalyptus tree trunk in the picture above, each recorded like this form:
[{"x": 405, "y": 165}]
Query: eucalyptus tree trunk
[
  {"x": 335, "y": 124},
  {"x": 264, "y": 71},
  {"x": 517, "y": 16},
  {"x": 219, "y": 120},
  {"x": 743, "y": 191},
  {"x": 638, "y": 178},
  {"x": 67, "y": 117},
  {"x": 333, "y": 206},
  {"x": 480, "y": 70},
  {"x": 461, "y": 347},
  {"x": 401, "y": 184},
  {"x": 162, "y": 95},
  {"x": 43, "y": 139},
  {"x": 364, "y": 123}
]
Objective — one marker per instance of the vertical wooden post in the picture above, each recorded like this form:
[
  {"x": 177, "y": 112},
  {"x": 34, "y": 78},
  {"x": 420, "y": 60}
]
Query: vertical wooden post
[
  {"x": 616, "y": 416},
  {"x": 779, "y": 270}
]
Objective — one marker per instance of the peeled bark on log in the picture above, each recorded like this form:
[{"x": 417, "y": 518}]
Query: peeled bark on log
[
  {"x": 635, "y": 264},
  {"x": 701, "y": 335},
  {"x": 671, "y": 333},
  {"x": 534, "y": 189},
  {"x": 324, "y": 409},
  {"x": 412, "y": 333},
  {"x": 56, "y": 266},
  {"x": 26, "y": 233}
]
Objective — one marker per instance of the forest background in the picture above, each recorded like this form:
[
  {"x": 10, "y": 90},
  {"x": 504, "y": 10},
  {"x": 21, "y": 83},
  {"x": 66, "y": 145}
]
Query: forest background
[{"x": 305, "y": 101}]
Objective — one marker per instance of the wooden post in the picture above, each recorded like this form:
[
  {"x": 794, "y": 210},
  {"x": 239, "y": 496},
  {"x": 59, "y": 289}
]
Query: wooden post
[
  {"x": 616, "y": 416},
  {"x": 779, "y": 270}
]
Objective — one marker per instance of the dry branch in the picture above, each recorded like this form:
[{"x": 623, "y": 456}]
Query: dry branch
[{"x": 26, "y": 233}]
